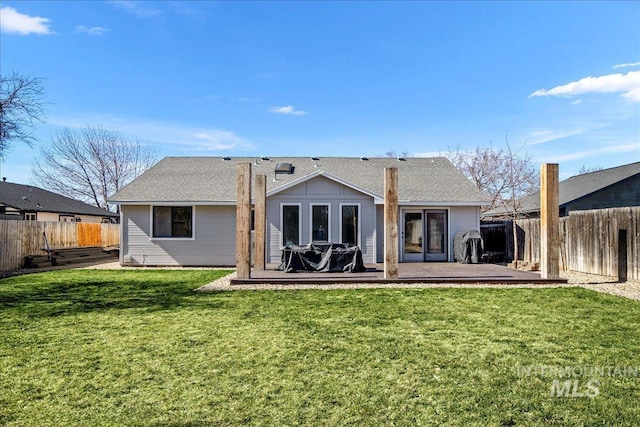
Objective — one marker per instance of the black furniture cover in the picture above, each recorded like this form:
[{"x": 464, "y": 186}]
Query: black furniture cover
[
  {"x": 467, "y": 247},
  {"x": 322, "y": 257}
]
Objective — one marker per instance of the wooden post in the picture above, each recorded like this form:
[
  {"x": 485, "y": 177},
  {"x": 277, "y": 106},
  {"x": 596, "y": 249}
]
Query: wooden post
[
  {"x": 260, "y": 222},
  {"x": 243, "y": 221},
  {"x": 391, "y": 223},
  {"x": 549, "y": 221}
]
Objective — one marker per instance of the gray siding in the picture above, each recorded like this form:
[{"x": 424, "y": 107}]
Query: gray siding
[
  {"x": 320, "y": 190},
  {"x": 214, "y": 228},
  {"x": 213, "y": 243},
  {"x": 622, "y": 194},
  {"x": 462, "y": 218}
]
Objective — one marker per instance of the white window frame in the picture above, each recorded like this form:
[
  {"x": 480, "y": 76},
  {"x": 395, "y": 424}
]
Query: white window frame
[
  {"x": 193, "y": 222},
  {"x": 30, "y": 216},
  {"x": 67, "y": 218},
  {"x": 358, "y": 237},
  {"x": 328, "y": 205},
  {"x": 282, "y": 205}
]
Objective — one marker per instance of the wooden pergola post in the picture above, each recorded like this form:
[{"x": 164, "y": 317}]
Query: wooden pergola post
[
  {"x": 243, "y": 220},
  {"x": 391, "y": 223},
  {"x": 259, "y": 237},
  {"x": 549, "y": 221}
]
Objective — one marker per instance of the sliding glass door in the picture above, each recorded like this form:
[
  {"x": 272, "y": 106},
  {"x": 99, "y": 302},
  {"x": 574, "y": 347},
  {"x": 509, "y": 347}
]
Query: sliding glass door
[{"x": 424, "y": 235}]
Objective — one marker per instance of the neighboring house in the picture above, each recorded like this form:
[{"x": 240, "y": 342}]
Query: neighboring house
[
  {"x": 608, "y": 188},
  {"x": 182, "y": 211},
  {"x": 29, "y": 203}
]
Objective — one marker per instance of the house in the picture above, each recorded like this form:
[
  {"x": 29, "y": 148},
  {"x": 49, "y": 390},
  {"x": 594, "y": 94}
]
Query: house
[
  {"x": 182, "y": 210},
  {"x": 608, "y": 188},
  {"x": 24, "y": 202}
]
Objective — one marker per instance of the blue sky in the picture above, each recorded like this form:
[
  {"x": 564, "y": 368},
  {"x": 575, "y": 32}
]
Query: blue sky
[{"x": 560, "y": 80}]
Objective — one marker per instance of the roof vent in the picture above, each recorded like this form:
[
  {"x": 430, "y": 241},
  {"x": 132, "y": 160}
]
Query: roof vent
[
  {"x": 315, "y": 161},
  {"x": 226, "y": 158},
  {"x": 402, "y": 159},
  {"x": 264, "y": 158},
  {"x": 364, "y": 159},
  {"x": 283, "y": 167}
]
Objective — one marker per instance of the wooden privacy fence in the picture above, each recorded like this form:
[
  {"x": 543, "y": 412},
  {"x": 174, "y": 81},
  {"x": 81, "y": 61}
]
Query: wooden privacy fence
[
  {"x": 601, "y": 241},
  {"x": 21, "y": 238}
]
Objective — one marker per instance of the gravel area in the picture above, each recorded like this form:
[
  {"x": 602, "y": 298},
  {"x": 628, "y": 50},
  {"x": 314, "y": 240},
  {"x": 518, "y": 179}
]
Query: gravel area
[
  {"x": 604, "y": 284},
  {"x": 223, "y": 284},
  {"x": 597, "y": 283}
]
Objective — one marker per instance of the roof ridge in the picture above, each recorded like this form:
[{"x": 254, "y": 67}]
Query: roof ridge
[{"x": 605, "y": 170}]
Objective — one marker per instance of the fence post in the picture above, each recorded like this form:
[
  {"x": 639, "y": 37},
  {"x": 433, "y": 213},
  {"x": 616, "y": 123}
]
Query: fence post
[
  {"x": 260, "y": 222},
  {"x": 391, "y": 223},
  {"x": 549, "y": 221},
  {"x": 243, "y": 221}
]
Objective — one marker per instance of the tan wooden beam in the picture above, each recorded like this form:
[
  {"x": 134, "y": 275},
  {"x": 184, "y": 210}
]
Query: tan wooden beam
[
  {"x": 391, "y": 223},
  {"x": 243, "y": 220},
  {"x": 549, "y": 221},
  {"x": 260, "y": 219}
]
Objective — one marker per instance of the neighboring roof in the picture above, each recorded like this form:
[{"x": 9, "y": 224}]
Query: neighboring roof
[
  {"x": 577, "y": 187},
  {"x": 34, "y": 199},
  {"x": 213, "y": 180}
]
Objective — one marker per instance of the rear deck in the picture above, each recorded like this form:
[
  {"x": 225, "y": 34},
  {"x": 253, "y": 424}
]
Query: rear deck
[{"x": 431, "y": 272}]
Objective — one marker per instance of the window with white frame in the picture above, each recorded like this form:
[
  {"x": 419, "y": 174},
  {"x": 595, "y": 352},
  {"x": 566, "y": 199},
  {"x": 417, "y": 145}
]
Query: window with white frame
[
  {"x": 173, "y": 221},
  {"x": 30, "y": 216},
  {"x": 290, "y": 225},
  {"x": 349, "y": 224},
  {"x": 320, "y": 224}
]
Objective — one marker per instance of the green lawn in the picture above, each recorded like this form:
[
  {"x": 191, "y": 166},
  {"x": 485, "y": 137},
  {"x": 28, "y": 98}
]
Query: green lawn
[{"x": 91, "y": 348}]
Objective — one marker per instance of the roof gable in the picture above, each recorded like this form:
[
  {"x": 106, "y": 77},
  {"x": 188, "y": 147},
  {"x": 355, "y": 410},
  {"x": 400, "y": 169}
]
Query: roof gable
[{"x": 322, "y": 173}]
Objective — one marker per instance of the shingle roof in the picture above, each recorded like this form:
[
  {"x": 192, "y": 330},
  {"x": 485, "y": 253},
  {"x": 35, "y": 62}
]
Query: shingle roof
[
  {"x": 212, "y": 179},
  {"x": 578, "y": 186},
  {"x": 34, "y": 199}
]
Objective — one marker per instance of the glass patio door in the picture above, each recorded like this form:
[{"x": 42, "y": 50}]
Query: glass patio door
[
  {"x": 436, "y": 231},
  {"x": 412, "y": 236},
  {"x": 424, "y": 235}
]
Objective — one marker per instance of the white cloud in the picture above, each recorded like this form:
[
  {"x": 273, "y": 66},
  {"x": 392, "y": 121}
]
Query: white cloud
[
  {"x": 541, "y": 136},
  {"x": 287, "y": 110},
  {"x": 629, "y": 64},
  {"x": 135, "y": 8},
  {"x": 627, "y": 84},
  {"x": 577, "y": 155},
  {"x": 172, "y": 136},
  {"x": 14, "y": 22},
  {"x": 93, "y": 31},
  {"x": 430, "y": 154}
]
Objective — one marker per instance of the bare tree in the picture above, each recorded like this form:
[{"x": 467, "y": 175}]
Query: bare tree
[
  {"x": 21, "y": 105},
  {"x": 91, "y": 164},
  {"x": 502, "y": 174},
  {"x": 393, "y": 153},
  {"x": 588, "y": 169}
]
